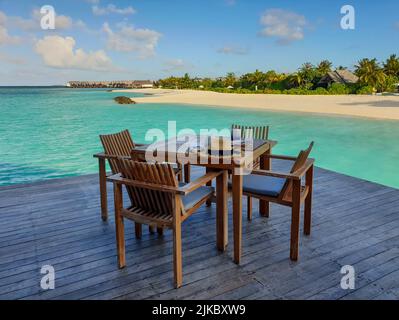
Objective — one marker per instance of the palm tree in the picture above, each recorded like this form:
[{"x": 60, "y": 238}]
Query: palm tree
[
  {"x": 272, "y": 76},
  {"x": 324, "y": 67},
  {"x": 391, "y": 66},
  {"x": 308, "y": 73},
  {"x": 296, "y": 79},
  {"x": 370, "y": 73},
  {"x": 230, "y": 79},
  {"x": 257, "y": 77}
]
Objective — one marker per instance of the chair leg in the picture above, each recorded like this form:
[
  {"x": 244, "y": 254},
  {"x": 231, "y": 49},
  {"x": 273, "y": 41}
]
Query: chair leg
[
  {"x": 265, "y": 164},
  {"x": 307, "y": 223},
  {"x": 296, "y": 209},
  {"x": 138, "y": 230},
  {"x": 103, "y": 189},
  {"x": 120, "y": 236},
  {"x": 264, "y": 208},
  {"x": 160, "y": 231},
  {"x": 209, "y": 184},
  {"x": 177, "y": 247},
  {"x": 308, "y": 203},
  {"x": 249, "y": 208},
  {"x": 177, "y": 259}
]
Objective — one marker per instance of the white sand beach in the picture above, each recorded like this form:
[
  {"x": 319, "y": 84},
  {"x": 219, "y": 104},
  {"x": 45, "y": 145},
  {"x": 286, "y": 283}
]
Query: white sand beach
[{"x": 380, "y": 107}]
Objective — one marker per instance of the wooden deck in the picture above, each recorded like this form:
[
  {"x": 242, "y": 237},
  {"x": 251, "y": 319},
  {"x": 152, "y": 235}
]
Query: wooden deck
[{"x": 58, "y": 223}]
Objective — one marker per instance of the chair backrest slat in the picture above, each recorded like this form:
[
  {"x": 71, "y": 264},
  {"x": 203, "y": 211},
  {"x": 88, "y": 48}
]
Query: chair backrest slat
[
  {"x": 155, "y": 173},
  {"x": 299, "y": 163},
  {"x": 255, "y": 132},
  {"x": 117, "y": 144}
]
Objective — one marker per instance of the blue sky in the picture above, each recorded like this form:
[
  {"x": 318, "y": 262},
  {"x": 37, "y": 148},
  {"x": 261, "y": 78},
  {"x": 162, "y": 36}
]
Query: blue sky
[{"x": 150, "y": 39}]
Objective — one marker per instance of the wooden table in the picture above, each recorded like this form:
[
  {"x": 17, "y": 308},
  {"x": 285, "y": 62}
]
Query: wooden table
[{"x": 261, "y": 148}]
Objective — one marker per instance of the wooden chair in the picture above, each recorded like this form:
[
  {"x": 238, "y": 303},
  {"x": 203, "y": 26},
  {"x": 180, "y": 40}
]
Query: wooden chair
[
  {"x": 158, "y": 200},
  {"x": 254, "y": 132},
  {"x": 260, "y": 132},
  {"x": 287, "y": 190},
  {"x": 119, "y": 145}
]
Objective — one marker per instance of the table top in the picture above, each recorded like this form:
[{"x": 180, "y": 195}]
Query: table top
[{"x": 194, "y": 151}]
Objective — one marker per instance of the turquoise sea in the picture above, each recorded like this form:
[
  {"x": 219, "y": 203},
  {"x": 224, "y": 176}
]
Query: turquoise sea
[{"x": 48, "y": 133}]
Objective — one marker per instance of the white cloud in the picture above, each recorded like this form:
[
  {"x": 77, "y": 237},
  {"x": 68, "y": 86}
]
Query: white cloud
[
  {"x": 177, "y": 65},
  {"x": 59, "y": 52},
  {"x": 284, "y": 25},
  {"x": 32, "y": 24},
  {"x": 5, "y": 38},
  {"x": 130, "y": 39},
  {"x": 111, "y": 8},
  {"x": 3, "y": 18},
  {"x": 233, "y": 50},
  {"x": 61, "y": 21}
]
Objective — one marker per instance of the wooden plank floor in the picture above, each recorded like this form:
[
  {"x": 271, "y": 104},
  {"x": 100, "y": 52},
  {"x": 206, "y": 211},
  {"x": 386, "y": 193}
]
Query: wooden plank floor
[{"x": 58, "y": 223}]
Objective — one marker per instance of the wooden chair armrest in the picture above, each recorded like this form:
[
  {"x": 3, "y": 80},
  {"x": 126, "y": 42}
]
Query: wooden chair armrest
[
  {"x": 276, "y": 174},
  {"x": 201, "y": 181},
  {"x": 272, "y": 143},
  {"x": 109, "y": 156},
  {"x": 99, "y": 155},
  {"x": 117, "y": 178},
  {"x": 302, "y": 171},
  {"x": 280, "y": 157}
]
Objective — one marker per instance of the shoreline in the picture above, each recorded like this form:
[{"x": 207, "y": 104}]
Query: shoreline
[{"x": 375, "y": 107}]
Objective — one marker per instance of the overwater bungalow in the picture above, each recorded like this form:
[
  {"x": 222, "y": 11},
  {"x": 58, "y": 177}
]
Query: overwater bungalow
[{"x": 129, "y": 84}]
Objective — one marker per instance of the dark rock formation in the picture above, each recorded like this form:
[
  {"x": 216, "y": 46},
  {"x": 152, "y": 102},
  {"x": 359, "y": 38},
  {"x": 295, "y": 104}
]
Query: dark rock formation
[{"x": 124, "y": 100}]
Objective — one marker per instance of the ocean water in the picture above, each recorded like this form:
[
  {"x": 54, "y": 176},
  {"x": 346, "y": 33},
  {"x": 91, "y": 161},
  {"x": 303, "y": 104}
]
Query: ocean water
[{"x": 48, "y": 133}]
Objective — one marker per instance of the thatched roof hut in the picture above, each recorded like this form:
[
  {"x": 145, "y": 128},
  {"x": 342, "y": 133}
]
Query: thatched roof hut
[{"x": 338, "y": 76}]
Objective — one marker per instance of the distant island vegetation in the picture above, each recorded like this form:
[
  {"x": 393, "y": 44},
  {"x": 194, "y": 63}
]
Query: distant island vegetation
[{"x": 369, "y": 77}]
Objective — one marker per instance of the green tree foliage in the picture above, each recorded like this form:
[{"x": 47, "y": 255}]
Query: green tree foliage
[
  {"x": 309, "y": 74},
  {"x": 339, "y": 88},
  {"x": 370, "y": 73},
  {"x": 230, "y": 80},
  {"x": 391, "y": 66},
  {"x": 373, "y": 77},
  {"x": 324, "y": 67}
]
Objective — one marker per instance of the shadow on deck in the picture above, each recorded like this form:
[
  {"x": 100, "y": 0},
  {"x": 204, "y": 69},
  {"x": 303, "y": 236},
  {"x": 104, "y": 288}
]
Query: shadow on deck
[{"x": 58, "y": 222}]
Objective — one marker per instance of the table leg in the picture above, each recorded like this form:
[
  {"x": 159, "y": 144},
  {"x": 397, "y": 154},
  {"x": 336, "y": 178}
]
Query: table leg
[
  {"x": 180, "y": 174},
  {"x": 237, "y": 215},
  {"x": 265, "y": 164},
  {"x": 103, "y": 188},
  {"x": 187, "y": 173},
  {"x": 221, "y": 211}
]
